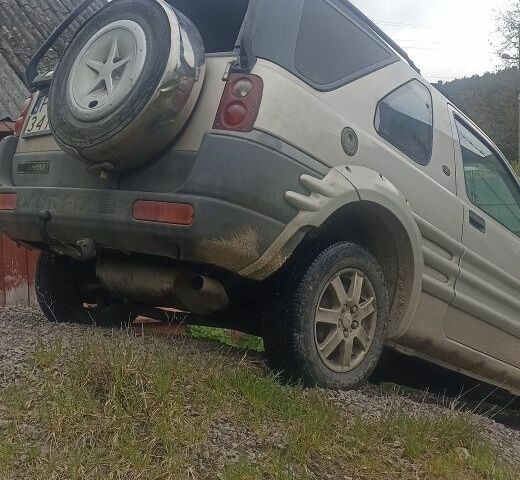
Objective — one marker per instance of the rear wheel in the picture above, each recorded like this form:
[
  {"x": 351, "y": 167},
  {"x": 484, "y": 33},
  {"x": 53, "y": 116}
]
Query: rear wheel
[
  {"x": 65, "y": 296},
  {"x": 329, "y": 322}
]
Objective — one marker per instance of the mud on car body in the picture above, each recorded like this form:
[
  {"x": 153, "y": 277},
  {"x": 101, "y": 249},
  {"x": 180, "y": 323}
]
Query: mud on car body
[{"x": 279, "y": 166}]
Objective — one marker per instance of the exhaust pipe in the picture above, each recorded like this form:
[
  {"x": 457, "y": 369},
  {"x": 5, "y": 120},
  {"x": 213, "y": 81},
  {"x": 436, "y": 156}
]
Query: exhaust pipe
[{"x": 160, "y": 286}]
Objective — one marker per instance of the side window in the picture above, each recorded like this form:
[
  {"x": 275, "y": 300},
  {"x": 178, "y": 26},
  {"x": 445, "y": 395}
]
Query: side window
[
  {"x": 332, "y": 48},
  {"x": 489, "y": 185},
  {"x": 405, "y": 119}
]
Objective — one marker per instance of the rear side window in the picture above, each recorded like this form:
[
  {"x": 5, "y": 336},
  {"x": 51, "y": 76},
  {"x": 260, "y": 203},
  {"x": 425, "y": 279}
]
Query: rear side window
[
  {"x": 489, "y": 185},
  {"x": 331, "y": 48},
  {"x": 405, "y": 119}
]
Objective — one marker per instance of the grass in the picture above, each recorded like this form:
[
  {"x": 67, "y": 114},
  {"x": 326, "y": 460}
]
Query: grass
[
  {"x": 248, "y": 342},
  {"x": 127, "y": 408}
]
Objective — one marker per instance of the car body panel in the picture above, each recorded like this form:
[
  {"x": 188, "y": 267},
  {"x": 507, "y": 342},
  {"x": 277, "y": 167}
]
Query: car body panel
[
  {"x": 200, "y": 122},
  {"x": 485, "y": 314},
  {"x": 438, "y": 209},
  {"x": 258, "y": 195}
]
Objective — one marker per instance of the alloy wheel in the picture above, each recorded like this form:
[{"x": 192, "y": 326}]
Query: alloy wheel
[{"x": 345, "y": 320}]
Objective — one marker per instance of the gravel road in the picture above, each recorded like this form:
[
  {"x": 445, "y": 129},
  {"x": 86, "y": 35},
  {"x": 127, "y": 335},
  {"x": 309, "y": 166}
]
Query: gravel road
[{"x": 22, "y": 329}]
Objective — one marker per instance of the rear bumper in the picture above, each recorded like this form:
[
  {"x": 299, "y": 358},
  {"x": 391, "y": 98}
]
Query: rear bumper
[
  {"x": 222, "y": 234},
  {"x": 236, "y": 184}
]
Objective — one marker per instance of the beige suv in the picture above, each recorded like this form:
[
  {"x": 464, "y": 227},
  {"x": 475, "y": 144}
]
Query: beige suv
[{"x": 275, "y": 166}]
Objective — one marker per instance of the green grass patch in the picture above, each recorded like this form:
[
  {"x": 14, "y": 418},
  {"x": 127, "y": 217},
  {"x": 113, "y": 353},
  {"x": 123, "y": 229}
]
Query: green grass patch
[
  {"x": 220, "y": 335},
  {"x": 47, "y": 354},
  {"x": 127, "y": 408}
]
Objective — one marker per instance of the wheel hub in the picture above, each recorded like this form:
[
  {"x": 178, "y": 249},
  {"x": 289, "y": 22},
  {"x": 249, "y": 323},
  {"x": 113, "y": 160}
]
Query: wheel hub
[
  {"x": 345, "y": 320},
  {"x": 106, "y": 70}
]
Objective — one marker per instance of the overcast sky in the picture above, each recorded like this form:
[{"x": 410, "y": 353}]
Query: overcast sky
[{"x": 446, "y": 38}]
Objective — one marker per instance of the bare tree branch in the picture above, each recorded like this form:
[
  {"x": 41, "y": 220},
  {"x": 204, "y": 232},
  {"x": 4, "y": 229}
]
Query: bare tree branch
[{"x": 508, "y": 27}]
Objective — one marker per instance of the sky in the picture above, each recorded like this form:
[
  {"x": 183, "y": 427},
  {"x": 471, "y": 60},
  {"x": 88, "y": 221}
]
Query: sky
[{"x": 447, "y": 39}]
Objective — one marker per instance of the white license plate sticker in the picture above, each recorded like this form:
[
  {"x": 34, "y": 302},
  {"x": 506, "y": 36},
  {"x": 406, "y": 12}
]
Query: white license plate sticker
[{"x": 38, "y": 123}]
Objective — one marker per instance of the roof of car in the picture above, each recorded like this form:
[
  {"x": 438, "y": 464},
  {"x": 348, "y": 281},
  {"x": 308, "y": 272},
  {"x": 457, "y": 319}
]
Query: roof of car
[{"x": 26, "y": 25}]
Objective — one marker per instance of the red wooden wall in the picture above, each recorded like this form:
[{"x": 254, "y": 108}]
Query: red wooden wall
[{"x": 17, "y": 269}]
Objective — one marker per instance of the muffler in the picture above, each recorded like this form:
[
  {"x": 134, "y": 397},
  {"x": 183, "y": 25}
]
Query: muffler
[{"x": 162, "y": 286}]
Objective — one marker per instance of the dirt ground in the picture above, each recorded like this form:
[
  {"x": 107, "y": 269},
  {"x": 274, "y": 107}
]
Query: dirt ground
[{"x": 415, "y": 388}]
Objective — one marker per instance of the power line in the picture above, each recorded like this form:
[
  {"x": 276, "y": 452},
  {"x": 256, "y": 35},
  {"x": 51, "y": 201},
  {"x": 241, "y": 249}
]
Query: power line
[
  {"x": 405, "y": 25},
  {"x": 441, "y": 77},
  {"x": 431, "y": 49},
  {"x": 429, "y": 42}
]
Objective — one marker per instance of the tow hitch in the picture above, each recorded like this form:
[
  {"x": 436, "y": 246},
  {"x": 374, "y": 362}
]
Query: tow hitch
[{"x": 84, "y": 249}]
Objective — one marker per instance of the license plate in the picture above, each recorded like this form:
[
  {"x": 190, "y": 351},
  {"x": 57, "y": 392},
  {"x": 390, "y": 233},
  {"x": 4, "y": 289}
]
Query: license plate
[{"x": 38, "y": 123}]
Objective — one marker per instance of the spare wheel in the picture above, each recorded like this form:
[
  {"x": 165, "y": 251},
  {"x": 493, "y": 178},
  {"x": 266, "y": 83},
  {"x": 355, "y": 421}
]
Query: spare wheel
[{"x": 127, "y": 84}]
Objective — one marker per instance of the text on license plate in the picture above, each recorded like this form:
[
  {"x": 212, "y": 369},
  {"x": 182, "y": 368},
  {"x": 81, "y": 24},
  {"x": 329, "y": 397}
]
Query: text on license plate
[{"x": 38, "y": 123}]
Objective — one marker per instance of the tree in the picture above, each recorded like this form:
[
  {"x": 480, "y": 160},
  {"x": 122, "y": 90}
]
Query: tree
[
  {"x": 508, "y": 28},
  {"x": 489, "y": 100}
]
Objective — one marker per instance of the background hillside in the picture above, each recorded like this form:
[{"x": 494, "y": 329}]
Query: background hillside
[{"x": 490, "y": 101}]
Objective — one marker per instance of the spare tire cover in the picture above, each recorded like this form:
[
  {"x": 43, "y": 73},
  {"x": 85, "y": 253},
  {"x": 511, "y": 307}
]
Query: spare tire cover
[{"x": 127, "y": 84}]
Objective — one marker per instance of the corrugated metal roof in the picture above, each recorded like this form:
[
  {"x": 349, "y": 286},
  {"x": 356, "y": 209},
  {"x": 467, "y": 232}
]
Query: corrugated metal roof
[
  {"x": 12, "y": 91},
  {"x": 24, "y": 26}
]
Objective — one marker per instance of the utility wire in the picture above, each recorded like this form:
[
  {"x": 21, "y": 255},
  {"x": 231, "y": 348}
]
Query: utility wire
[
  {"x": 431, "y": 49},
  {"x": 405, "y": 25},
  {"x": 429, "y": 42},
  {"x": 440, "y": 77}
]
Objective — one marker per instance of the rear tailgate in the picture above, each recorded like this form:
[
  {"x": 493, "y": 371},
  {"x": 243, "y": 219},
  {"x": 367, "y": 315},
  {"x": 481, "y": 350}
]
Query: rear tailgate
[
  {"x": 40, "y": 162},
  {"x": 219, "y": 23}
]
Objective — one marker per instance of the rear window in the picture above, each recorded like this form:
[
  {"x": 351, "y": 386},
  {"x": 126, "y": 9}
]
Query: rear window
[
  {"x": 405, "y": 119},
  {"x": 332, "y": 48},
  {"x": 219, "y": 22}
]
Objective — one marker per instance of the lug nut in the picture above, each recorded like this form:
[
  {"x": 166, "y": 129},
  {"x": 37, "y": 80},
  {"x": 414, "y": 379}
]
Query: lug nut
[
  {"x": 355, "y": 325},
  {"x": 354, "y": 309}
]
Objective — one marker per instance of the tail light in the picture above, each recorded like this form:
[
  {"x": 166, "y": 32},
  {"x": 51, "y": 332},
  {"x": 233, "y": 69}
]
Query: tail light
[
  {"x": 18, "y": 126},
  {"x": 240, "y": 103}
]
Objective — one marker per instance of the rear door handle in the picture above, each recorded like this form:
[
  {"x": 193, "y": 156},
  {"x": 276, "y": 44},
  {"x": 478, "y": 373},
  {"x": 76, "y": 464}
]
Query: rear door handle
[{"x": 477, "y": 221}]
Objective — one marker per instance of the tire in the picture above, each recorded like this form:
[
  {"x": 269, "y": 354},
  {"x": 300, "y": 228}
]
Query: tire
[
  {"x": 297, "y": 346},
  {"x": 59, "y": 282},
  {"x": 137, "y": 46}
]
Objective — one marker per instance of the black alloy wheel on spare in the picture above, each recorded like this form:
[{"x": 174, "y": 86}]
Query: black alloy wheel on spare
[{"x": 328, "y": 325}]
